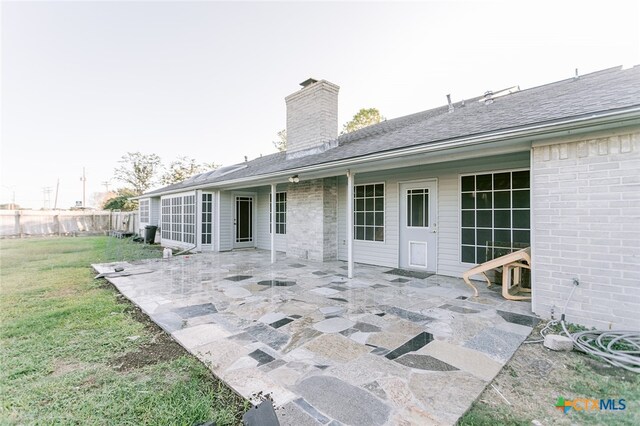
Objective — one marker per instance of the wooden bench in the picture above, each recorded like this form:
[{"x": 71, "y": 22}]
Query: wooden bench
[{"x": 510, "y": 263}]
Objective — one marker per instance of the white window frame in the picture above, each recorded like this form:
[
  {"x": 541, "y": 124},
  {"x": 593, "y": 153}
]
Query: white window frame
[
  {"x": 365, "y": 211},
  {"x": 284, "y": 212},
  {"x": 178, "y": 218},
  {"x": 207, "y": 218},
  {"x": 492, "y": 210},
  {"x": 144, "y": 209}
]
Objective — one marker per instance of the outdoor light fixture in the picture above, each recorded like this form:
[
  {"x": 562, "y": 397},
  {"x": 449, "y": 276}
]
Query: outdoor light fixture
[{"x": 294, "y": 179}]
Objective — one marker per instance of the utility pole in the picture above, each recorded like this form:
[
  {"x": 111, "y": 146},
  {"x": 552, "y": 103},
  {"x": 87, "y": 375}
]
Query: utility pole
[
  {"x": 55, "y": 203},
  {"x": 84, "y": 188}
]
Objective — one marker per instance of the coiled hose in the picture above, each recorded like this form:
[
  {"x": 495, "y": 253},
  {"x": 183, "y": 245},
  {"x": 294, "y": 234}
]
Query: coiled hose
[{"x": 601, "y": 343}]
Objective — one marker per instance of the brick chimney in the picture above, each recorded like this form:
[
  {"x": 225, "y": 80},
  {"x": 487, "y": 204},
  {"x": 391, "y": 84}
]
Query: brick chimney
[{"x": 312, "y": 118}]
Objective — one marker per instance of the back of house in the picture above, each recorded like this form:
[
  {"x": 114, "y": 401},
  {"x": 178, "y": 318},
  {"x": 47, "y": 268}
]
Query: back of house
[{"x": 554, "y": 168}]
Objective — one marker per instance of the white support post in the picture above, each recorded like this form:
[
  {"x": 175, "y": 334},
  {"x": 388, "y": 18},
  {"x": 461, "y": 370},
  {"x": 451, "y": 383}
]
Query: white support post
[
  {"x": 350, "y": 176},
  {"x": 273, "y": 223}
]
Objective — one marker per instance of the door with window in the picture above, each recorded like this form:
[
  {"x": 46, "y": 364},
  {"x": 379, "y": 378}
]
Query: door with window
[
  {"x": 243, "y": 221},
  {"x": 418, "y": 225}
]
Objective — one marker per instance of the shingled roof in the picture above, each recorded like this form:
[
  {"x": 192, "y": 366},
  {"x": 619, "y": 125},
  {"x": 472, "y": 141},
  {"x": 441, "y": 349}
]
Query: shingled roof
[{"x": 606, "y": 91}]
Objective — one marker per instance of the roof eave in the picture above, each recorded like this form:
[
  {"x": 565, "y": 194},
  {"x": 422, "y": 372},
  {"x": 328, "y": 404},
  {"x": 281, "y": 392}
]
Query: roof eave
[{"x": 626, "y": 117}]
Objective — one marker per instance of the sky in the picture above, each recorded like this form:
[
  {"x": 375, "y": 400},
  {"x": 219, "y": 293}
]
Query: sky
[{"x": 83, "y": 83}]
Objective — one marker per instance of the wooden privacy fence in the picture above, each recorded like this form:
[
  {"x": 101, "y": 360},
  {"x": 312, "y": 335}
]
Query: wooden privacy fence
[{"x": 22, "y": 223}]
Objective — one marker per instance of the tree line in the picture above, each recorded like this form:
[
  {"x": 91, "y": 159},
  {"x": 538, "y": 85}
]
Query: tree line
[{"x": 139, "y": 172}]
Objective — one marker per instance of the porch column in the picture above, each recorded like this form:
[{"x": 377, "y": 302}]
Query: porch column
[
  {"x": 273, "y": 223},
  {"x": 350, "y": 176}
]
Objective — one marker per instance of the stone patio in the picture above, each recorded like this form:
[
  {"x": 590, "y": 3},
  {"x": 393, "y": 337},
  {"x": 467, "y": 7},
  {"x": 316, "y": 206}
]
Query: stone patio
[{"x": 382, "y": 348}]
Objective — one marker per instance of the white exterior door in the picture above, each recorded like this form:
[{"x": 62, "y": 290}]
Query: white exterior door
[
  {"x": 243, "y": 221},
  {"x": 418, "y": 225}
]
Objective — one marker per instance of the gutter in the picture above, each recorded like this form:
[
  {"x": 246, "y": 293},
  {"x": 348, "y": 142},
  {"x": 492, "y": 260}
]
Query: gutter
[{"x": 536, "y": 130}]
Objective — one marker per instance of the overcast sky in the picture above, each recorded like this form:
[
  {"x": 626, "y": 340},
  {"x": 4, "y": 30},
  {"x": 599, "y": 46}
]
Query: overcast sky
[{"x": 85, "y": 82}]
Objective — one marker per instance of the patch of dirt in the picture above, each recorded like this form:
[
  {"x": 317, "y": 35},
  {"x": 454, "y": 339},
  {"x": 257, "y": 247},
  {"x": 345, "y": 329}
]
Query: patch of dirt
[{"x": 161, "y": 347}]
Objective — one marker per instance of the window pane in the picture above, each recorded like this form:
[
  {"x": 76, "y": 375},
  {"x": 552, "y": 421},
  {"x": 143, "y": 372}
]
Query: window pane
[
  {"x": 380, "y": 219},
  {"x": 483, "y": 219},
  {"x": 379, "y": 204},
  {"x": 359, "y": 233},
  {"x": 483, "y": 183},
  {"x": 481, "y": 254},
  {"x": 521, "y": 199},
  {"x": 379, "y": 233},
  {"x": 521, "y": 236},
  {"x": 417, "y": 210},
  {"x": 379, "y": 190},
  {"x": 368, "y": 191},
  {"x": 502, "y": 236},
  {"x": 359, "y": 219},
  {"x": 359, "y": 205},
  {"x": 502, "y": 181},
  {"x": 468, "y": 236},
  {"x": 483, "y": 200},
  {"x": 468, "y": 218},
  {"x": 468, "y": 183},
  {"x": 468, "y": 200},
  {"x": 368, "y": 217},
  {"x": 521, "y": 219},
  {"x": 359, "y": 191},
  {"x": 502, "y": 199},
  {"x": 469, "y": 254},
  {"x": 502, "y": 218},
  {"x": 521, "y": 179},
  {"x": 368, "y": 204},
  {"x": 368, "y": 233},
  {"x": 483, "y": 236}
]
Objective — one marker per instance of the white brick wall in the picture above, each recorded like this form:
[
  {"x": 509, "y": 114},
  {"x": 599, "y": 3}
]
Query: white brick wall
[
  {"x": 312, "y": 220},
  {"x": 586, "y": 219},
  {"x": 312, "y": 116}
]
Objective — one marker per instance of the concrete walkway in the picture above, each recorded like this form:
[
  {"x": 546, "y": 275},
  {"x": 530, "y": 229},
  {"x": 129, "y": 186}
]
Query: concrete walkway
[{"x": 379, "y": 349}]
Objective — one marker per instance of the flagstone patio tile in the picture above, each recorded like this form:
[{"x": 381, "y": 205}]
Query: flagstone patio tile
[
  {"x": 336, "y": 347},
  {"x": 345, "y": 403},
  {"x": 199, "y": 335},
  {"x": 469, "y": 360}
]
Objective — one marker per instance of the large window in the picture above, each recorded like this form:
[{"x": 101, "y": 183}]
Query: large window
[
  {"x": 144, "y": 211},
  {"x": 368, "y": 212},
  {"x": 494, "y": 213},
  {"x": 189, "y": 218},
  {"x": 207, "y": 218},
  {"x": 165, "y": 225},
  {"x": 281, "y": 213},
  {"x": 179, "y": 218}
]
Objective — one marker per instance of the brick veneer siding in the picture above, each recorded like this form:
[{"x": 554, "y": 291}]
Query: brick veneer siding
[
  {"x": 312, "y": 219},
  {"x": 586, "y": 220}
]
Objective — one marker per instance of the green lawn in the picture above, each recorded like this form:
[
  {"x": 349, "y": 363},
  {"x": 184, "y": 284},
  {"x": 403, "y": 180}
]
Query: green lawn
[{"x": 63, "y": 334}]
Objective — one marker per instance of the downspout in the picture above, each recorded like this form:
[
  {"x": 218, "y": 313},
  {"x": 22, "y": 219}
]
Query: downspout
[
  {"x": 273, "y": 223},
  {"x": 350, "y": 176}
]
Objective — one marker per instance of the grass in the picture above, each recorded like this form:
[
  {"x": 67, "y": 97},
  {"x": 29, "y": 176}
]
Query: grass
[{"x": 61, "y": 330}]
